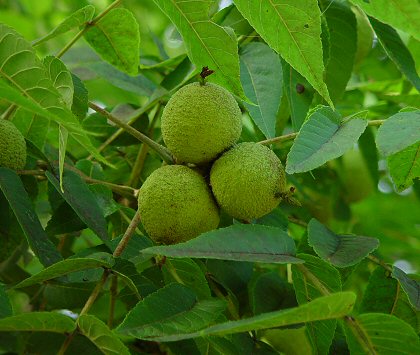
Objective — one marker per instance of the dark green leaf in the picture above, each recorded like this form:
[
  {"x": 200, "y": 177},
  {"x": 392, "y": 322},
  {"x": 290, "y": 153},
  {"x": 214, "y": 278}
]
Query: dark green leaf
[
  {"x": 187, "y": 271},
  {"x": 5, "y": 306},
  {"x": 323, "y": 137},
  {"x": 339, "y": 250},
  {"x": 162, "y": 315},
  {"x": 341, "y": 22},
  {"x": 38, "y": 322},
  {"x": 99, "y": 334},
  {"x": 82, "y": 200},
  {"x": 312, "y": 280},
  {"x": 21, "y": 205},
  {"x": 328, "y": 307},
  {"x": 399, "y": 132},
  {"x": 411, "y": 287},
  {"x": 397, "y": 51},
  {"x": 68, "y": 266},
  {"x": 262, "y": 80},
  {"x": 257, "y": 243},
  {"x": 116, "y": 38},
  {"x": 67, "y": 295},
  {"x": 79, "y": 106},
  {"x": 299, "y": 95}
]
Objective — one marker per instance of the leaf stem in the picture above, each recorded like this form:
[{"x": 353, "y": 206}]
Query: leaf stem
[
  {"x": 376, "y": 122},
  {"x": 142, "y": 154},
  {"x": 161, "y": 150},
  {"x": 127, "y": 235},
  {"x": 379, "y": 262},
  {"x": 283, "y": 138},
  {"x": 87, "y": 26},
  {"x": 9, "y": 112}
]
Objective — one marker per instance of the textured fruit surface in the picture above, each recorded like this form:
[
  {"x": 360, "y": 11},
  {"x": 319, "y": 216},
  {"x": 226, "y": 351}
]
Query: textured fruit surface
[
  {"x": 176, "y": 205},
  {"x": 200, "y": 122},
  {"x": 248, "y": 181},
  {"x": 12, "y": 146},
  {"x": 355, "y": 176}
]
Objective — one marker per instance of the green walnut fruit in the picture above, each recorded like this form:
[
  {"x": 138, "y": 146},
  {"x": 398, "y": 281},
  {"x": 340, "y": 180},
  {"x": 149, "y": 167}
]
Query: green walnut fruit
[
  {"x": 358, "y": 183},
  {"x": 200, "y": 122},
  {"x": 12, "y": 146},
  {"x": 176, "y": 205},
  {"x": 248, "y": 181}
]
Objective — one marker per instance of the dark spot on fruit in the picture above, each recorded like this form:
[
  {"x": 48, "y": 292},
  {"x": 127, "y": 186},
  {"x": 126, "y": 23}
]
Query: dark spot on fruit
[
  {"x": 306, "y": 25},
  {"x": 300, "y": 88}
]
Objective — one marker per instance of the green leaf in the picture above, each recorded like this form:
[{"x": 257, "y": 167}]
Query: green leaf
[
  {"x": 99, "y": 334},
  {"x": 397, "y": 51},
  {"x": 207, "y": 44},
  {"x": 310, "y": 281},
  {"x": 5, "y": 306},
  {"x": 299, "y": 95},
  {"x": 398, "y": 132},
  {"x": 116, "y": 38},
  {"x": 411, "y": 287},
  {"x": 342, "y": 26},
  {"x": 61, "y": 78},
  {"x": 25, "y": 82},
  {"x": 242, "y": 242},
  {"x": 82, "y": 200},
  {"x": 38, "y": 322},
  {"x": 376, "y": 333},
  {"x": 19, "y": 201},
  {"x": 162, "y": 316},
  {"x": 75, "y": 20},
  {"x": 67, "y": 295},
  {"x": 328, "y": 307},
  {"x": 262, "y": 80},
  {"x": 79, "y": 106},
  {"x": 404, "y": 166},
  {"x": 67, "y": 266},
  {"x": 339, "y": 250},
  {"x": 128, "y": 272},
  {"x": 323, "y": 137},
  {"x": 402, "y": 14},
  {"x": 268, "y": 292},
  {"x": 292, "y": 29},
  {"x": 189, "y": 273},
  {"x": 383, "y": 295}
]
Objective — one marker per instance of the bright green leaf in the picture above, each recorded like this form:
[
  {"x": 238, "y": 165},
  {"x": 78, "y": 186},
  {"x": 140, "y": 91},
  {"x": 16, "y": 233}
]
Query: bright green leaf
[
  {"x": 292, "y": 29},
  {"x": 75, "y": 20},
  {"x": 116, "y": 38},
  {"x": 242, "y": 242},
  {"x": 402, "y": 14},
  {"x": 207, "y": 44},
  {"x": 404, "y": 166},
  {"x": 38, "y": 322}
]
